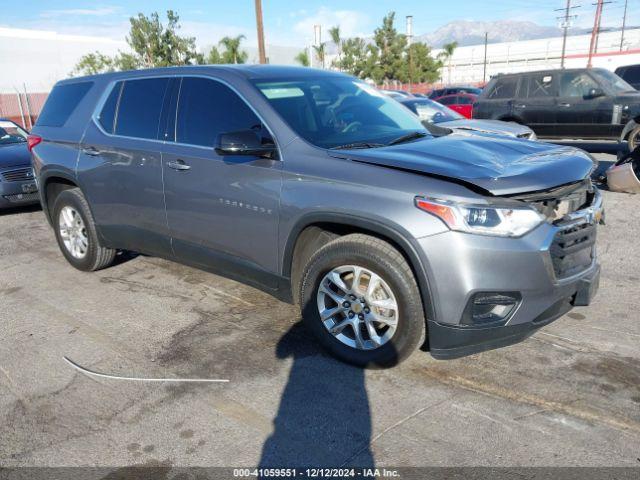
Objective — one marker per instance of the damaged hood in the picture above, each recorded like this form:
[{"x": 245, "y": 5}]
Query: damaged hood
[
  {"x": 499, "y": 165},
  {"x": 489, "y": 126}
]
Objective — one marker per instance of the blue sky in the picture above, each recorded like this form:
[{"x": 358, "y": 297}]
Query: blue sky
[{"x": 286, "y": 22}]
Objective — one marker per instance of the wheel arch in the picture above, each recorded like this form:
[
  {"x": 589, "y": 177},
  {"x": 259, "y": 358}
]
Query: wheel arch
[
  {"x": 51, "y": 186},
  {"x": 338, "y": 224},
  {"x": 631, "y": 124},
  {"x": 511, "y": 118}
]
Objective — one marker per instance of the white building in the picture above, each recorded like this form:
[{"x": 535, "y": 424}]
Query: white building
[{"x": 467, "y": 63}]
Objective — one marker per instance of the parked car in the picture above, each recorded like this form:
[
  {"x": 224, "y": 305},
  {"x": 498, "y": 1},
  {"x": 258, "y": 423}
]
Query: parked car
[
  {"x": 630, "y": 74},
  {"x": 443, "y": 92},
  {"x": 573, "y": 103},
  {"x": 320, "y": 189},
  {"x": 459, "y": 102},
  {"x": 433, "y": 113},
  {"x": 17, "y": 184}
]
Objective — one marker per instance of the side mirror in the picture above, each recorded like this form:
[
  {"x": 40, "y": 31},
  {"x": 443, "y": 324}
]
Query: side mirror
[
  {"x": 594, "y": 93},
  {"x": 245, "y": 142}
]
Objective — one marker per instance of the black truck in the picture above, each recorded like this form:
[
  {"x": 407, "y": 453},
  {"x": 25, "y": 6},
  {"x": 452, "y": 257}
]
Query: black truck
[{"x": 573, "y": 103}]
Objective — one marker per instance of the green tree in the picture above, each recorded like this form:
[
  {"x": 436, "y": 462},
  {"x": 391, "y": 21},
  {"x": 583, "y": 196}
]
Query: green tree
[
  {"x": 420, "y": 65},
  {"x": 391, "y": 48},
  {"x": 320, "y": 52},
  {"x": 303, "y": 58},
  {"x": 447, "y": 53},
  {"x": 213, "y": 57},
  {"x": 355, "y": 58},
  {"x": 232, "y": 52},
  {"x": 152, "y": 44},
  {"x": 334, "y": 33}
]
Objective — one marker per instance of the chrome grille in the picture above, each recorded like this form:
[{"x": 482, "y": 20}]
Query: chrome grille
[{"x": 18, "y": 175}]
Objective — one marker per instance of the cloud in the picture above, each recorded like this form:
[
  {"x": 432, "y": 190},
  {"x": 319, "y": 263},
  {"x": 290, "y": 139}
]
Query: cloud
[
  {"x": 80, "y": 12},
  {"x": 351, "y": 22}
]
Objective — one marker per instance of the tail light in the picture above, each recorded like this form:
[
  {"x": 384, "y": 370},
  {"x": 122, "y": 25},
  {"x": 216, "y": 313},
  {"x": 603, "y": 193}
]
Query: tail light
[{"x": 32, "y": 141}]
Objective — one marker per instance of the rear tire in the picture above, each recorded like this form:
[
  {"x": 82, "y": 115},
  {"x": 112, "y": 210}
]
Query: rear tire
[
  {"x": 388, "y": 322},
  {"x": 76, "y": 233}
]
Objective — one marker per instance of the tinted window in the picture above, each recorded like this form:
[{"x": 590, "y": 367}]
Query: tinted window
[
  {"x": 107, "y": 116},
  {"x": 538, "y": 86},
  {"x": 207, "y": 108},
  {"x": 504, "y": 88},
  {"x": 61, "y": 103},
  {"x": 576, "y": 84},
  {"x": 465, "y": 101},
  {"x": 140, "y": 107},
  {"x": 632, "y": 74}
]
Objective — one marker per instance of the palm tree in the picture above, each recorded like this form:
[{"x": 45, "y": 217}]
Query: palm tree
[
  {"x": 334, "y": 32},
  {"x": 303, "y": 58},
  {"x": 232, "y": 53},
  {"x": 447, "y": 53},
  {"x": 320, "y": 52}
]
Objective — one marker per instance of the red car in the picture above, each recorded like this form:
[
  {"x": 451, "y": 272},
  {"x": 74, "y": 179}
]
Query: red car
[{"x": 459, "y": 102}]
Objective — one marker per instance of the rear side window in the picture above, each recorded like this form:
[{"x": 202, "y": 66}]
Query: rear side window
[
  {"x": 539, "y": 86},
  {"x": 465, "y": 101},
  {"x": 447, "y": 101},
  {"x": 61, "y": 103},
  {"x": 632, "y": 74},
  {"x": 207, "y": 108},
  {"x": 504, "y": 88},
  {"x": 107, "y": 116},
  {"x": 138, "y": 113}
]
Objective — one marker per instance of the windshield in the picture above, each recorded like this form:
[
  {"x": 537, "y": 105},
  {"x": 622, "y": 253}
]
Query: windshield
[
  {"x": 612, "y": 82},
  {"x": 11, "y": 133},
  {"x": 335, "y": 112},
  {"x": 434, "y": 112}
]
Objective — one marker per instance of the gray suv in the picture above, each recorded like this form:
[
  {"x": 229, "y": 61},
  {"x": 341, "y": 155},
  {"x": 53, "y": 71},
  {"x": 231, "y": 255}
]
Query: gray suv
[{"x": 316, "y": 187}]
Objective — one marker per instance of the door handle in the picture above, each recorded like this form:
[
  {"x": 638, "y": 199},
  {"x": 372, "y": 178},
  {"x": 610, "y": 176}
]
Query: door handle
[
  {"x": 565, "y": 105},
  {"x": 521, "y": 105},
  {"x": 91, "y": 151},
  {"x": 178, "y": 165}
]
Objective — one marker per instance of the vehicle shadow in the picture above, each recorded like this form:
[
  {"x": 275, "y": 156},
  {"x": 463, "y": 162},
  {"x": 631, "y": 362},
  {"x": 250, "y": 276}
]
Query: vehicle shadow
[
  {"x": 324, "y": 418},
  {"x": 5, "y": 212}
]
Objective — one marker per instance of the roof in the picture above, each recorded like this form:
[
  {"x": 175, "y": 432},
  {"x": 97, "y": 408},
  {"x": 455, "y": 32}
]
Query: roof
[
  {"x": 248, "y": 71},
  {"x": 549, "y": 70}
]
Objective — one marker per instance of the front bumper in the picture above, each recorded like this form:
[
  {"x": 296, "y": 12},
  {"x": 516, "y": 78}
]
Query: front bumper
[
  {"x": 18, "y": 193},
  {"x": 461, "y": 265}
]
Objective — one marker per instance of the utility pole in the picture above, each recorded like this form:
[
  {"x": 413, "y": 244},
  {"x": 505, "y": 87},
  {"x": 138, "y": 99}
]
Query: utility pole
[
  {"x": 409, "y": 40},
  {"x": 624, "y": 24},
  {"x": 565, "y": 24},
  {"x": 593, "y": 46},
  {"x": 261, "y": 51},
  {"x": 486, "y": 44}
]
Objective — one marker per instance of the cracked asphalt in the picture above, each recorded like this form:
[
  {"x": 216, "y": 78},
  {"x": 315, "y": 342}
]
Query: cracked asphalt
[{"x": 568, "y": 396}]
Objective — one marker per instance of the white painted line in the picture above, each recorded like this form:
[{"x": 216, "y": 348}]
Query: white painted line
[{"x": 86, "y": 371}]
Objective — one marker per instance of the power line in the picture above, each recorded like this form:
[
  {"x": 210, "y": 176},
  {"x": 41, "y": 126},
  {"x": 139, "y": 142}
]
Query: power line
[{"x": 624, "y": 24}]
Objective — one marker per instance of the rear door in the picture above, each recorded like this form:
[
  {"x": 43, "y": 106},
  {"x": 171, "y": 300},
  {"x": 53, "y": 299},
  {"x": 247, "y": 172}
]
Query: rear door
[
  {"x": 578, "y": 115},
  {"x": 222, "y": 211},
  {"x": 535, "y": 104},
  {"x": 120, "y": 166}
]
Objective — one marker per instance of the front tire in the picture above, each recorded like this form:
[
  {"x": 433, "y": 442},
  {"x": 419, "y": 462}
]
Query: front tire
[
  {"x": 634, "y": 138},
  {"x": 76, "y": 233},
  {"x": 360, "y": 299}
]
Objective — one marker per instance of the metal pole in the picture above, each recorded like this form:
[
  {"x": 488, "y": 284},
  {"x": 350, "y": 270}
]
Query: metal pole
[
  {"x": 24, "y": 125},
  {"x": 565, "y": 27},
  {"x": 261, "y": 50},
  {"x": 486, "y": 44},
  {"x": 594, "y": 33},
  {"x": 28, "y": 105},
  {"x": 624, "y": 24},
  {"x": 409, "y": 41}
]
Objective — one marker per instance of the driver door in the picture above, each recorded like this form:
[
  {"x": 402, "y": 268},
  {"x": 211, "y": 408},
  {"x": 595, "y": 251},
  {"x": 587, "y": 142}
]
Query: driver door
[{"x": 222, "y": 211}]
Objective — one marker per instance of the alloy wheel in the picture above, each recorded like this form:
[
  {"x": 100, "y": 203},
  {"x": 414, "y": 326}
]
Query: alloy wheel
[
  {"x": 358, "y": 307},
  {"x": 73, "y": 232}
]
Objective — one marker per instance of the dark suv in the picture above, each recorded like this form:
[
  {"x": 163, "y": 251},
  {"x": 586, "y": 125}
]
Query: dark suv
[
  {"x": 573, "y": 103},
  {"x": 320, "y": 189}
]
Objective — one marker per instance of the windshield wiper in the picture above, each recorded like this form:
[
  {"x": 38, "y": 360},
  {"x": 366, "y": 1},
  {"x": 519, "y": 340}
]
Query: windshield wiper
[
  {"x": 407, "y": 138},
  {"x": 356, "y": 145}
]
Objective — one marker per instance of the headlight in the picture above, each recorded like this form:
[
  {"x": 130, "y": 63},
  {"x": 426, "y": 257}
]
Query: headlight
[{"x": 484, "y": 220}]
